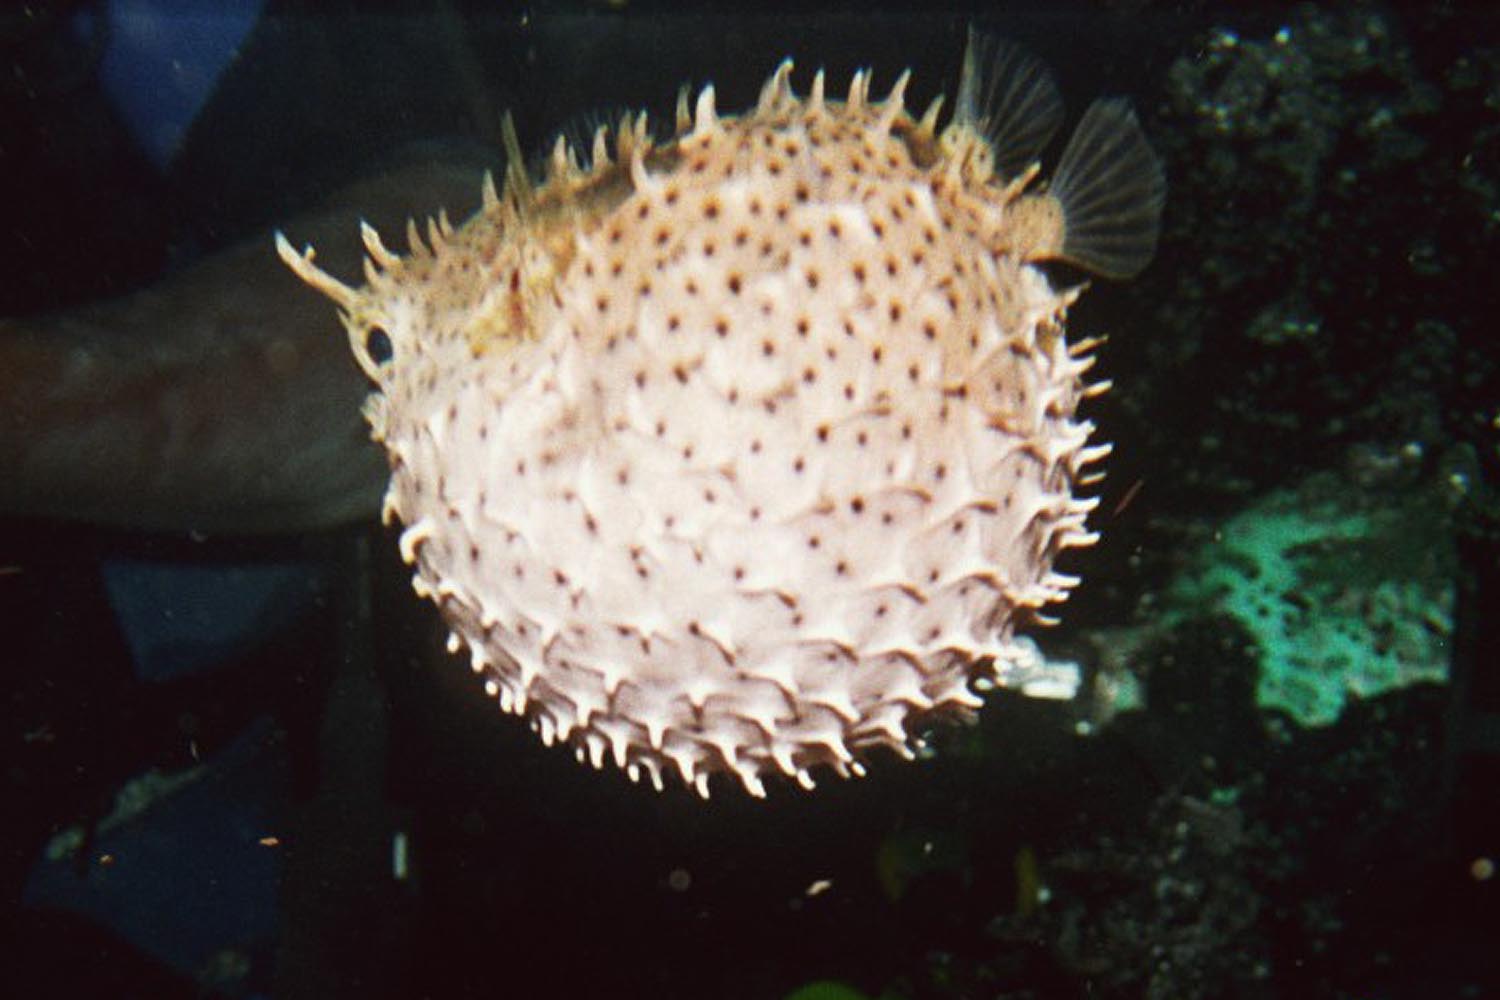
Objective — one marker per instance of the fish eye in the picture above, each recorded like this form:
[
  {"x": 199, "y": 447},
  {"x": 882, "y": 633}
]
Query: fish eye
[{"x": 378, "y": 344}]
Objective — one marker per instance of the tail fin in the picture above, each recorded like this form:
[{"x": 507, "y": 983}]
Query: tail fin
[{"x": 1111, "y": 188}]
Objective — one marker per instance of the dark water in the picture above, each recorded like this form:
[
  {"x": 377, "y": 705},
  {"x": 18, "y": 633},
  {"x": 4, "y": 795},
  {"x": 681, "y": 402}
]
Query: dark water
[{"x": 243, "y": 767}]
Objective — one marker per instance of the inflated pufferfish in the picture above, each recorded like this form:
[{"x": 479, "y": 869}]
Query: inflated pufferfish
[{"x": 747, "y": 451}]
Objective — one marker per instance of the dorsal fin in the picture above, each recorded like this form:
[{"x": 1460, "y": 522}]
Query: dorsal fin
[
  {"x": 1111, "y": 188},
  {"x": 1007, "y": 95}
]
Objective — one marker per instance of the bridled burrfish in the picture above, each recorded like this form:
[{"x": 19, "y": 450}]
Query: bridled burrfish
[{"x": 748, "y": 451}]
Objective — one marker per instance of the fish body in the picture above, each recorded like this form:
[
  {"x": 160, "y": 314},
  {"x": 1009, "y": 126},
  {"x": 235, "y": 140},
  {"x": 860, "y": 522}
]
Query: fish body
[{"x": 749, "y": 451}]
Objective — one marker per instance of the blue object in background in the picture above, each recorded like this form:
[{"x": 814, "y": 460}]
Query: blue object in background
[
  {"x": 162, "y": 60},
  {"x": 187, "y": 867},
  {"x": 187, "y": 873},
  {"x": 179, "y": 618}
]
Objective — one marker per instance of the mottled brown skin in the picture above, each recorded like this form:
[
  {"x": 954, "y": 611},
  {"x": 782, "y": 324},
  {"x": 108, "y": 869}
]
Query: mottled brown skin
[{"x": 216, "y": 401}]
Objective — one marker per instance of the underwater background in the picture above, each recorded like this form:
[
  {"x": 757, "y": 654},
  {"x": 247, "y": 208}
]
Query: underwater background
[{"x": 238, "y": 762}]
